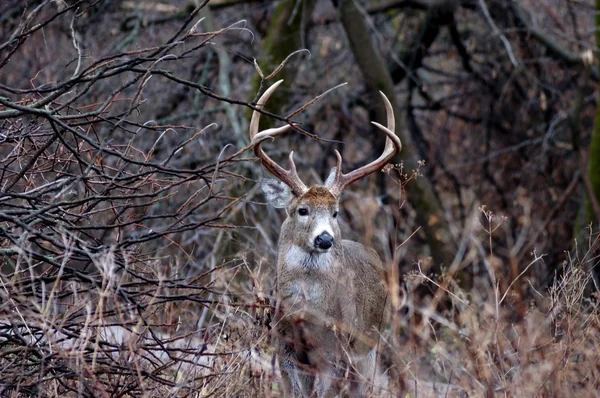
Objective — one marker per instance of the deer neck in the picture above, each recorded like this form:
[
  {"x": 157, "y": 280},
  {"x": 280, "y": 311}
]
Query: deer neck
[{"x": 293, "y": 257}]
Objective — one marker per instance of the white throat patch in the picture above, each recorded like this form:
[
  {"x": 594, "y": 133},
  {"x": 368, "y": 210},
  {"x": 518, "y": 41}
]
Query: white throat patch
[{"x": 296, "y": 257}]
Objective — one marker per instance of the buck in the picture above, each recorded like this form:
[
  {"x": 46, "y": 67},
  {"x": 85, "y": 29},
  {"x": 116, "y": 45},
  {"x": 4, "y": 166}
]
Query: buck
[{"x": 331, "y": 291}]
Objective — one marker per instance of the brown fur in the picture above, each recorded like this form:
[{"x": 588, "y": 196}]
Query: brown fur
[
  {"x": 319, "y": 195},
  {"x": 331, "y": 306},
  {"x": 332, "y": 296}
]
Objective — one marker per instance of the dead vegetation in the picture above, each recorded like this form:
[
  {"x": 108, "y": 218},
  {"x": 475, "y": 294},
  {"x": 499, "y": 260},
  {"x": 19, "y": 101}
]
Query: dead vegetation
[{"x": 137, "y": 252}]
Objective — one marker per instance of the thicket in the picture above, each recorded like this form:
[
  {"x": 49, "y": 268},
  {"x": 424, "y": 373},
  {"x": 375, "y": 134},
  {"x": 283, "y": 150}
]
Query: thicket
[{"x": 137, "y": 251}]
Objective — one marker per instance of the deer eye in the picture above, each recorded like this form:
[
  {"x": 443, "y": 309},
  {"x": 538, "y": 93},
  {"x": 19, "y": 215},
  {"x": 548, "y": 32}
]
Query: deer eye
[
  {"x": 303, "y": 212},
  {"x": 335, "y": 213}
]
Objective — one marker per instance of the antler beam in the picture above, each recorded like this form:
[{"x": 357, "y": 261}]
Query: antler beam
[
  {"x": 393, "y": 145},
  {"x": 289, "y": 177}
]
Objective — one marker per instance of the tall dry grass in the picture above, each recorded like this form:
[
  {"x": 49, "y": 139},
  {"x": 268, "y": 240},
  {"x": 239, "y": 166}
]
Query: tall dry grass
[{"x": 208, "y": 334}]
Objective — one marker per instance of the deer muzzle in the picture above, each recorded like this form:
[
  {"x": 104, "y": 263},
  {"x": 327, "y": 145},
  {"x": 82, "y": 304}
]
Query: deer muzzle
[{"x": 324, "y": 241}]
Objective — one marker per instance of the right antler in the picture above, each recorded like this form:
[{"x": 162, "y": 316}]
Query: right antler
[
  {"x": 288, "y": 177},
  {"x": 393, "y": 145}
]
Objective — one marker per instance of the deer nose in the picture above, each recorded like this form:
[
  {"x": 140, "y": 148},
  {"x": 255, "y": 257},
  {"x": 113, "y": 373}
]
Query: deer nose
[{"x": 324, "y": 241}]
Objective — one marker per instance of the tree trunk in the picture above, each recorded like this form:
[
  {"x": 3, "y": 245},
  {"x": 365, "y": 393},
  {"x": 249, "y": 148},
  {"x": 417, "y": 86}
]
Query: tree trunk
[
  {"x": 377, "y": 77},
  {"x": 284, "y": 36},
  {"x": 591, "y": 178},
  {"x": 593, "y": 171}
]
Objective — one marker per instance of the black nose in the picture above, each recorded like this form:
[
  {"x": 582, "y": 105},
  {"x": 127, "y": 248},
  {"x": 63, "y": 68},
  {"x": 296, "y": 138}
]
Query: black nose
[{"x": 324, "y": 241}]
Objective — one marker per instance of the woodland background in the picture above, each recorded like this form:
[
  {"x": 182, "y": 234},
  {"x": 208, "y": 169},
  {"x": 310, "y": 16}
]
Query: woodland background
[{"x": 136, "y": 248}]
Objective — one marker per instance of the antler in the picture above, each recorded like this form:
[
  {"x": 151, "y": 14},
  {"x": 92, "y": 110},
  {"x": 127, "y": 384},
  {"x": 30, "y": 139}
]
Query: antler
[
  {"x": 288, "y": 177},
  {"x": 393, "y": 145}
]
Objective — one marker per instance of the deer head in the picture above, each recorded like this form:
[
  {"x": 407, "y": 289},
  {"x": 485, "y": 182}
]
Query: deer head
[{"x": 311, "y": 224}]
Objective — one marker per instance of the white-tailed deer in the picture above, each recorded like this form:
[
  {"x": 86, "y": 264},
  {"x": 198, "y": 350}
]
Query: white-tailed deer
[{"x": 331, "y": 291}]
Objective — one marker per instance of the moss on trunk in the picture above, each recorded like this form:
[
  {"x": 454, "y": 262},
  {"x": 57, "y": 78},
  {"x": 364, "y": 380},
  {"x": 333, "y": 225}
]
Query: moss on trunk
[
  {"x": 593, "y": 170},
  {"x": 284, "y": 36}
]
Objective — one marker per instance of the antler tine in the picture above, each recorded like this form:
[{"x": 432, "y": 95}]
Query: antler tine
[
  {"x": 393, "y": 145},
  {"x": 289, "y": 177}
]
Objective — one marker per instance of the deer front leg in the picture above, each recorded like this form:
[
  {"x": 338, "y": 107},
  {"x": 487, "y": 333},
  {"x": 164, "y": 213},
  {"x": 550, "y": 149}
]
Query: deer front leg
[
  {"x": 369, "y": 378},
  {"x": 326, "y": 382},
  {"x": 298, "y": 380},
  {"x": 329, "y": 371}
]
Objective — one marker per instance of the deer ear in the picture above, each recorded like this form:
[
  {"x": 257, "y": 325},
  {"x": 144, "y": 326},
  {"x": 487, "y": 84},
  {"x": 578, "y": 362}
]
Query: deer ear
[
  {"x": 330, "y": 177},
  {"x": 277, "y": 193}
]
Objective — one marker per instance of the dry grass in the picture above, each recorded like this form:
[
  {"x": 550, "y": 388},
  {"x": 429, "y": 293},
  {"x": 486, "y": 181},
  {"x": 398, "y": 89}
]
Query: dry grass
[
  {"x": 208, "y": 334},
  {"x": 137, "y": 253}
]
